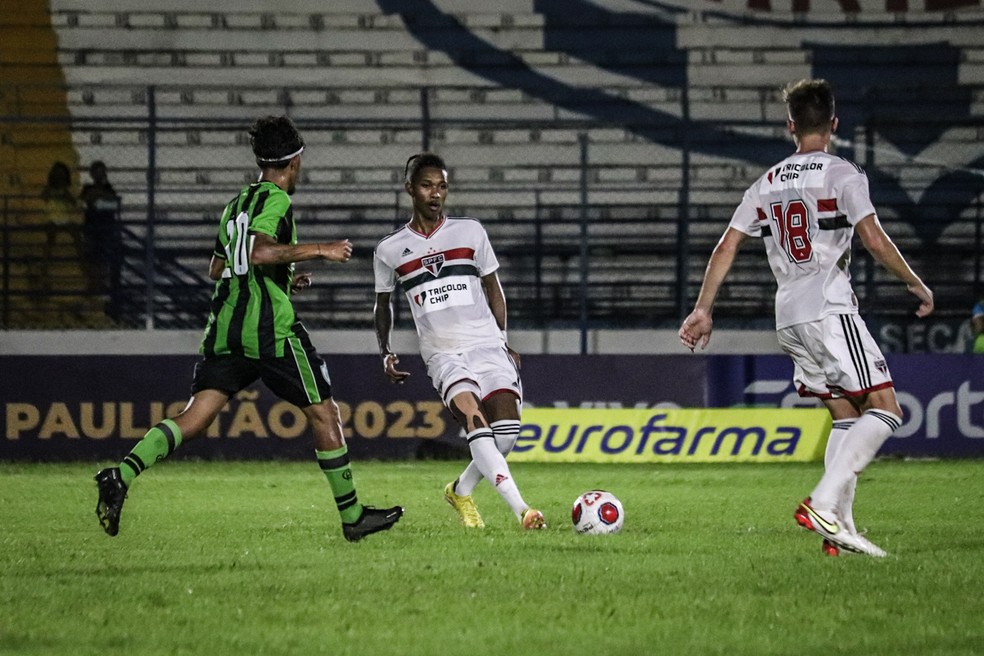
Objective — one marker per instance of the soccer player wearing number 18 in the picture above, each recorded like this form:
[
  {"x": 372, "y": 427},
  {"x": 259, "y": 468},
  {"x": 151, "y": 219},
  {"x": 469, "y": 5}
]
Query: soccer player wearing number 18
[
  {"x": 253, "y": 334},
  {"x": 807, "y": 209},
  {"x": 447, "y": 269}
]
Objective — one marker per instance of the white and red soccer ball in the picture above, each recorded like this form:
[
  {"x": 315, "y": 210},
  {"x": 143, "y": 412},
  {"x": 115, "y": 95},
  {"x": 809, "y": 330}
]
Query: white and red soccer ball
[{"x": 597, "y": 512}]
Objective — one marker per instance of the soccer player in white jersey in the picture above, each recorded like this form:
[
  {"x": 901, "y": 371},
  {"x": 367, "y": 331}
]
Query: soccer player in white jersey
[
  {"x": 807, "y": 209},
  {"x": 447, "y": 270}
]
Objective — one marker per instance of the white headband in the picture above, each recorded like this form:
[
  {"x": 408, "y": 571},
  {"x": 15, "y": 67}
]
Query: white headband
[{"x": 280, "y": 159}]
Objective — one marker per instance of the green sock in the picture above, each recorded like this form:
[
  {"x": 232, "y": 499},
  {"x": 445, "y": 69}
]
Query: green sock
[
  {"x": 335, "y": 465},
  {"x": 159, "y": 442}
]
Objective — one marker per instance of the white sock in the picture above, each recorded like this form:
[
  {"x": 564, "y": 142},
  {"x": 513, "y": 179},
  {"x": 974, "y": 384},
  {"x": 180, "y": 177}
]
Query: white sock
[
  {"x": 506, "y": 432},
  {"x": 845, "y": 503},
  {"x": 468, "y": 480},
  {"x": 858, "y": 448},
  {"x": 492, "y": 465}
]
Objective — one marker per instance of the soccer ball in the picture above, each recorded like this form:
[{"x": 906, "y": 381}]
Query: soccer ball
[{"x": 597, "y": 512}]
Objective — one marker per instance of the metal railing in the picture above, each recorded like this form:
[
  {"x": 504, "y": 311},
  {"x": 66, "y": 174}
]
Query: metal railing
[
  {"x": 592, "y": 239},
  {"x": 566, "y": 266}
]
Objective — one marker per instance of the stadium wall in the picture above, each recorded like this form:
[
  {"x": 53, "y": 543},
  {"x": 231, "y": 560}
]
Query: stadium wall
[{"x": 92, "y": 406}]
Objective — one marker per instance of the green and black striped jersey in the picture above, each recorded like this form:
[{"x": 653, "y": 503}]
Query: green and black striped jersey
[{"x": 251, "y": 312}]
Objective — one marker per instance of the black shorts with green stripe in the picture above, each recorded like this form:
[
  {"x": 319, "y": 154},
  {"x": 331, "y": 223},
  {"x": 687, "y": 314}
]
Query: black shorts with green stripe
[{"x": 300, "y": 377}]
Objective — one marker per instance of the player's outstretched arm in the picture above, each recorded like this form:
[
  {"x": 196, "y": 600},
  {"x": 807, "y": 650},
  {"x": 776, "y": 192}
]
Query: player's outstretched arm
[
  {"x": 696, "y": 328},
  {"x": 266, "y": 250},
  {"x": 383, "y": 320},
  {"x": 877, "y": 242},
  {"x": 336, "y": 251}
]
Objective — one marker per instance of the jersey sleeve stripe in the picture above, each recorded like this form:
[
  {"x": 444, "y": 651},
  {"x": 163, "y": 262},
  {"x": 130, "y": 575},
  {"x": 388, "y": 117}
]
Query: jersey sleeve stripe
[
  {"x": 834, "y": 223},
  {"x": 854, "y": 164}
]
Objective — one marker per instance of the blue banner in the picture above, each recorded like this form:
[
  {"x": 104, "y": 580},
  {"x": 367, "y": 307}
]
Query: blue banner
[
  {"x": 97, "y": 407},
  {"x": 942, "y": 397}
]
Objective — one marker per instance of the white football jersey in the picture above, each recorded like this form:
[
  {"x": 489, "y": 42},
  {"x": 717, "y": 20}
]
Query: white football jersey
[
  {"x": 440, "y": 274},
  {"x": 806, "y": 208}
]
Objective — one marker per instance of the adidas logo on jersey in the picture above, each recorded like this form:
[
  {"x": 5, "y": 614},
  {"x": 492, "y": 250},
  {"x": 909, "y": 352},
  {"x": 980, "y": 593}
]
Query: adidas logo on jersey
[{"x": 406, "y": 251}]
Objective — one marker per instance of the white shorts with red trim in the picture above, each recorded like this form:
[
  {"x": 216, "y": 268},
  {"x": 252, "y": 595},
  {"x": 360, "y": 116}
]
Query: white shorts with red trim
[
  {"x": 835, "y": 357},
  {"x": 484, "y": 371}
]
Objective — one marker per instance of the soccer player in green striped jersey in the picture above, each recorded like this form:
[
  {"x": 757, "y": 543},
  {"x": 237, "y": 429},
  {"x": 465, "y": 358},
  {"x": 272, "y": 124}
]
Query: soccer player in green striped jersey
[{"x": 253, "y": 334}]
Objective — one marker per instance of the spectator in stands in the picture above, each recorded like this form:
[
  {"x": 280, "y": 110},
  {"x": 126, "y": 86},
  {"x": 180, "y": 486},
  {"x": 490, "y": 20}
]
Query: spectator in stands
[
  {"x": 62, "y": 241},
  {"x": 253, "y": 334},
  {"x": 60, "y": 205},
  {"x": 447, "y": 269},
  {"x": 977, "y": 323},
  {"x": 806, "y": 209},
  {"x": 102, "y": 238}
]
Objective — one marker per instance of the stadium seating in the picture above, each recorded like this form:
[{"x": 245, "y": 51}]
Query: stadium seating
[{"x": 661, "y": 98}]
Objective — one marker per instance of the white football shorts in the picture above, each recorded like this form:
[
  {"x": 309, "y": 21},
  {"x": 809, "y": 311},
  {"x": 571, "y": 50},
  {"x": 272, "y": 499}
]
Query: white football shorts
[
  {"x": 485, "y": 371},
  {"x": 835, "y": 357}
]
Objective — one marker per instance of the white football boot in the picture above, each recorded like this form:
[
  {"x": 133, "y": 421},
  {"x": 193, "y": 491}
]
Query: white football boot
[{"x": 829, "y": 526}]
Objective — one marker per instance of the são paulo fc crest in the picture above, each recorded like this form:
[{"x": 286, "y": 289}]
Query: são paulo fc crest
[{"x": 433, "y": 263}]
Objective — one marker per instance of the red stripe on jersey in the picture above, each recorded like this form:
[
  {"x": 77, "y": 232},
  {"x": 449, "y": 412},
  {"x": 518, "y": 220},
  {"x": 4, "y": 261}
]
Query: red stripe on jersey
[
  {"x": 453, "y": 254},
  {"x": 826, "y": 204},
  {"x": 761, "y": 214},
  {"x": 802, "y": 391},
  {"x": 502, "y": 390}
]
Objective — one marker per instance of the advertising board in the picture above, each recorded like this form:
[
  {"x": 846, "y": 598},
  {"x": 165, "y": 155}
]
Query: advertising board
[{"x": 96, "y": 407}]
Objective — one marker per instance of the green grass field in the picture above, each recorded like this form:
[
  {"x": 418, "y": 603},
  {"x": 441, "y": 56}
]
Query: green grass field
[{"x": 248, "y": 558}]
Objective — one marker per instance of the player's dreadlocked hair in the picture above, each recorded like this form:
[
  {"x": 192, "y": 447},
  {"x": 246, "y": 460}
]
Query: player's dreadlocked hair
[
  {"x": 275, "y": 141},
  {"x": 421, "y": 161},
  {"x": 810, "y": 104}
]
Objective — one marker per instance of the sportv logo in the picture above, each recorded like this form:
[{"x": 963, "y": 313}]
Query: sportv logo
[
  {"x": 961, "y": 403},
  {"x": 929, "y": 416},
  {"x": 704, "y": 435}
]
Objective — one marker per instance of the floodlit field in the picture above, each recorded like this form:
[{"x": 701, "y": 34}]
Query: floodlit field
[{"x": 248, "y": 558}]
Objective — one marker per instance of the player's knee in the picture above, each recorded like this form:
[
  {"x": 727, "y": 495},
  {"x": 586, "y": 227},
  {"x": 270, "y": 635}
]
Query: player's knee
[
  {"x": 505, "y": 444},
  {"x": 466, "y": 409},
  {"x": 325, "y": 422},
  {"x": 506, "y": 432},
  {"x": 475, "y": 420},
  {"x": 325, "y": 412},
  {"x": 885, "y": 400}
]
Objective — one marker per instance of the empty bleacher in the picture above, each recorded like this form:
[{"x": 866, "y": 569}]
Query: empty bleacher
[{"x": 663, "y": 116}]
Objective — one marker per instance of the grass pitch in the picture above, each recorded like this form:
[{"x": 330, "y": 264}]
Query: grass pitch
[{"x": 248, "y": 558}]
